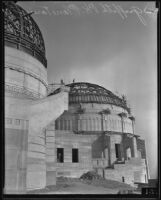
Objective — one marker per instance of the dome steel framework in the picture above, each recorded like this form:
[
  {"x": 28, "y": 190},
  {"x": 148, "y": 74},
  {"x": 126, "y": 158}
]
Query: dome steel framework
[
  {"x": 83, "y": 92},
  {"x": 22, "y": 32}
]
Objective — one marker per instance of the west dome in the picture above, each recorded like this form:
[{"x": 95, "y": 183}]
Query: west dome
[
  {"x": 84, "y": 92},
  {"x": 22, "y": 32}
]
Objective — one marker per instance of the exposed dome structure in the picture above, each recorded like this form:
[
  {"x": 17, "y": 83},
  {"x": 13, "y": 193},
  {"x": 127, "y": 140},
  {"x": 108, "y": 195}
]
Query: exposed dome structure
[
  {"x": 83, "y": 92},
  {"x": 25, "y": 61},
  {"x": 22, "y": 32},
  {"x": 93, "y": 103}
]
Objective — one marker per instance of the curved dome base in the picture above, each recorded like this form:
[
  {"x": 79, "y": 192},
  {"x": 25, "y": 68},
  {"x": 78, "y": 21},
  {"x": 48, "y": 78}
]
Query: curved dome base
[{"x": 24, "y": 74}]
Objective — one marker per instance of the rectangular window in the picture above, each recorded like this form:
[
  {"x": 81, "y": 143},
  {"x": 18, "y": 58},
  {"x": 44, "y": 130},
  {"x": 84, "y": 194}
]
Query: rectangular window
[
  {"x": 60, "y": 155},
  {"x": 8, "y": 120},
  {"x": 17, "y": 121},
  {"x": 75, "y": 155}
]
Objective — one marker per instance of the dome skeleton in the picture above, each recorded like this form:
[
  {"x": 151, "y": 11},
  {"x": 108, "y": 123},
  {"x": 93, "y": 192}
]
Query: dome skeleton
[
  {"x": 83, "y": 92},
  {"x": 21, "y": 29}
]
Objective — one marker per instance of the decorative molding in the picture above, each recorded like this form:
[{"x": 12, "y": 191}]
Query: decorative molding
[
  {"x": 16, "y": 123},
  {"x": 106, "y": 111},
  {"x": 19, "y": 91},
  {"x": 81, "y": 110},
  {"x": 122, "y": 115},
  {"x": 19, "y": 69},
  {"x": 132, "y": 118}
]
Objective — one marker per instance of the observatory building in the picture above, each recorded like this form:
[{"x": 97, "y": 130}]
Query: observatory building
[
  {"x": 62, "y": 131},
  {"x": 97, "y": 132}
]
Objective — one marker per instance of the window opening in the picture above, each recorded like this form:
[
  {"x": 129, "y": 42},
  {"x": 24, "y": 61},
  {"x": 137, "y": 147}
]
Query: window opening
[
  {"x": 75, "y": 155},
  {"x": 60, "y": 155}
]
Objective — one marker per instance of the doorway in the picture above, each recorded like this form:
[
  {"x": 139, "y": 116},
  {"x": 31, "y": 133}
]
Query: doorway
[{"x": 118, "y": 151}]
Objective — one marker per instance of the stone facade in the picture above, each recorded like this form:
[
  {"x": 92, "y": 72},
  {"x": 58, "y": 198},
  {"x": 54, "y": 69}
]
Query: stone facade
[
  {"x": 27, "y": 117},
  {"x": 111, "y": 139},
  {"x": 26, "y": 141},
  {"x": 69, "y": 141}
]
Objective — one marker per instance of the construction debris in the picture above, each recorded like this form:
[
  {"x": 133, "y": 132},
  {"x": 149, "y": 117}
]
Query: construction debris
[{"x": 91, "y": 175}]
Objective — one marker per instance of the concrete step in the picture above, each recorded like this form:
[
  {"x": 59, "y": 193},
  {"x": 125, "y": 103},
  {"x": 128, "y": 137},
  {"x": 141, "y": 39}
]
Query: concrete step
[{"x": 135, "y": 161}]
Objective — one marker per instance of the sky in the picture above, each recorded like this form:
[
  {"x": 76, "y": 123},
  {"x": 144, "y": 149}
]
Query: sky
[{"x": 112, "y": 44}]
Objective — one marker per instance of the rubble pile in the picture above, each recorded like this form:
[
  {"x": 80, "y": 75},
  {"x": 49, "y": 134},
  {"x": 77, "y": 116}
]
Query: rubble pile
[{"x": 91, "y": 175}]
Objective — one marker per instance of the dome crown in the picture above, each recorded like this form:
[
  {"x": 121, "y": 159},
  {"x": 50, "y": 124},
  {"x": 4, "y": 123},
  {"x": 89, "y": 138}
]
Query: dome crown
[{"x": 22, "y": 32}]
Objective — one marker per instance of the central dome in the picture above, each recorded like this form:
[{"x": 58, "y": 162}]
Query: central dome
[
  {"x": 22, "y": 32},
  {"x": 83, "y": 92}
]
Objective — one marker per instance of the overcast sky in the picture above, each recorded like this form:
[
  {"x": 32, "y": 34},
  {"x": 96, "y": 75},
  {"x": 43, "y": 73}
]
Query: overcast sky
[{"x": 95, "y": 42}]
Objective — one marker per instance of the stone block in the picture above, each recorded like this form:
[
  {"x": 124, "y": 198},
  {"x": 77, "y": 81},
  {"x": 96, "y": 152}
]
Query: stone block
[
  {"x": 50, "y": 139},
  {"x": 15, "y": 181},
  {"x": 36, "y": 155},
  {"x": 36, "y": 167},
  {"x": 50, "y": 158},
  {"x": 50, "y": 133},
  {"x": 50, "y": 145},
  {"x": 50, "y": 152},
  {"x": 36, "y": 180},
  {"x": 36, "y": 139},
  {"x": 36, "y": 147},
  {"x": 51, "y": 166},
  {"x": 50, "y": 178}
]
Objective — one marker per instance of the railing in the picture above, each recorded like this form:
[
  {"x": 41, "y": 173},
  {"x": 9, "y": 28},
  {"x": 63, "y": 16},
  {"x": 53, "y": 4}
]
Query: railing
[
  {"x": 22, "y": 90},
  {"x": 26, "y": 46},
  {"x": 19, "y": 69}
]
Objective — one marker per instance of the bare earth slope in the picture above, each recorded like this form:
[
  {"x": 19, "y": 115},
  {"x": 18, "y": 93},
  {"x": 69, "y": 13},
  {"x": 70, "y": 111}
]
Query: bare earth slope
[{"x": 76, "y": 186}]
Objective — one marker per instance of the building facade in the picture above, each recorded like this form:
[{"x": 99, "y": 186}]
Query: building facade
[
  {"x": 98, "y": 133},
  {"x": 64, "y": 131},
  {"x": 28, "y": 110}
]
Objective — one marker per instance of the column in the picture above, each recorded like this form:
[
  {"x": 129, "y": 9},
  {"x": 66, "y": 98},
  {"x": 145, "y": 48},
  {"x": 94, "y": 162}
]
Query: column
[
  {"x": 16, "y": 145},
  {"x": 50, "y": 156},
  {"x": 134, "y": 147},
  {"x": 122, "y": 115},
  {"x": 133, "y": 123},
  {"x": 102, "y": 124},
  {"x": 79, "y": 127},
  {"x": 36, "y": 164},
  {"x": 133, "y": 126},
  {"x": 112, "y": 150},
  {"x": 94, "y": 124}
]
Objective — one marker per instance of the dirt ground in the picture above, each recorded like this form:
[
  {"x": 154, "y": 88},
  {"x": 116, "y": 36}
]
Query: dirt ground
[{"x": 77, "y": 186}]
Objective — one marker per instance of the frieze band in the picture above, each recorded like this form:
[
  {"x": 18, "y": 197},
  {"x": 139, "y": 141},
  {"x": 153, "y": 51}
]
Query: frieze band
[
  {"x": 28, "y": 73},
  {"x": 18, "y": 90}
]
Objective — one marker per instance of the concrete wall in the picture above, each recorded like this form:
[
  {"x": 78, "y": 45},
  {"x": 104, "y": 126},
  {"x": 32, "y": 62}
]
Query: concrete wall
[
  {"x": 50, "y": 154},
  {"x": 134, "y": 170},
  {"x": 39, "y": 115},
  {"x": 91, "y": 119},
  {"x": 141, "y": 147},
  {"x": 24, "y": 73},
  {"x": 68, "y": 140},
  {"x": 16, "y": 136}
]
